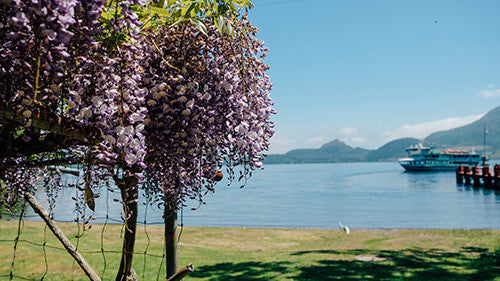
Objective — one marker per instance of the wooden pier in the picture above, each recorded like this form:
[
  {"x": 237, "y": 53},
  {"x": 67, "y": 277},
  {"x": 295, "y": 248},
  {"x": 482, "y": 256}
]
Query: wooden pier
[{"x": 479, "y": 176}]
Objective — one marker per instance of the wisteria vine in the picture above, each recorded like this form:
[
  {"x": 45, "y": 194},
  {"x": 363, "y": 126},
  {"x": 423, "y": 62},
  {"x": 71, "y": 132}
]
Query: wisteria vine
[
  {"x": 163, "y": 107},
  {"x": 204, "y": 97},
  {"x": 209, "y": 98}
]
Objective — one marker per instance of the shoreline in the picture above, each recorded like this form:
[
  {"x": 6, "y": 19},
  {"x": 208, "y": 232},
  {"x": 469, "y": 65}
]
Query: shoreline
[
  {"x": 114, "y": 222},
  {"x": 6, "y": 218}
]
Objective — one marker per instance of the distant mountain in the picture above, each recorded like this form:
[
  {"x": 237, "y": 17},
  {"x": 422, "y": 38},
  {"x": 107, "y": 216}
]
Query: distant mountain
[
  {"x": 334, "y": 151},
  {"x": 471, "y": 136},
  {"x": 465, "y": 137},
  {"x": 392, "y": 150}
]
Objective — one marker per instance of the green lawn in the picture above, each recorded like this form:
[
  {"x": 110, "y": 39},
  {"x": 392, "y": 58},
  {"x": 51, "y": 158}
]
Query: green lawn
[{"x": 262, "y": 254}]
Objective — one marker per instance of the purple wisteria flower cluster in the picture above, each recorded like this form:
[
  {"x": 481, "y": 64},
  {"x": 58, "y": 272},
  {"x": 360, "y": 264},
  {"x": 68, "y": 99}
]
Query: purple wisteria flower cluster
[
  {"x": 34, "y": 53},
  {"x": 36, "y": 39},
  {"x": 208, "y": 105},
  {"x": 171, "y": 104},
  {"x": 161, "y": 107},
  {"x": 106, "y": 92}
]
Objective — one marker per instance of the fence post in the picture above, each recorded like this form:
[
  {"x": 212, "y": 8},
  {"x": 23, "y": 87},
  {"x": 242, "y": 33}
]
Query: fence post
[{"x": 171, "y": 236}]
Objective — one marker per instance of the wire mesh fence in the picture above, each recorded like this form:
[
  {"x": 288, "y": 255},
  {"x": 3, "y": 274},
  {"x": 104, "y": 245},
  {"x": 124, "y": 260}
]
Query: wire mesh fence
[{"x": 29, "y": 251}]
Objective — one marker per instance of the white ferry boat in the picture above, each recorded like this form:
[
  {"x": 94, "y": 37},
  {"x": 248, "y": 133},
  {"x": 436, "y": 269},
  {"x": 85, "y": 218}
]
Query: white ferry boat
[{"x": 422, "y": 158}]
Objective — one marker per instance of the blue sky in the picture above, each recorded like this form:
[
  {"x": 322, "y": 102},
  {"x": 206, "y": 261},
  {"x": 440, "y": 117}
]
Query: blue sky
[{"x": 367, "y": 72}]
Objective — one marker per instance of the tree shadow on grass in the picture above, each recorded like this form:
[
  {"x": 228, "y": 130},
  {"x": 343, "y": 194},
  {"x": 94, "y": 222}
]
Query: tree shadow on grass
[
  {"x": 407, "y": 264},
  {"x": 244, "y": 271}
]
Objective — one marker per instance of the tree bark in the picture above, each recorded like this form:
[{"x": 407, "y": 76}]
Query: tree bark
[
  {"x": 171, "y": 236},
  {"x": 89, "y": 271},
  {"x": 57, "y": 135},
  {"x": 128, "y": 188}
]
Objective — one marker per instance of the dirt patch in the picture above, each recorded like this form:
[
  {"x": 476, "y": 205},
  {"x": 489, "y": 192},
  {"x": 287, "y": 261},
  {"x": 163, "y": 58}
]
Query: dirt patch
[{"x": 371, "y": 258}]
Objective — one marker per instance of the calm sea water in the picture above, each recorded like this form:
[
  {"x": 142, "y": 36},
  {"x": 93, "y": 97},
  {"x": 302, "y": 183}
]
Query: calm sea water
[{"x": 360, "y": 195}]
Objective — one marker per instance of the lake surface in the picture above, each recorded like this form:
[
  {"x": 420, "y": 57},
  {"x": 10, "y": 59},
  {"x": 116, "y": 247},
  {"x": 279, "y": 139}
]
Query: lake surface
[{"x": 360, "y": 195}]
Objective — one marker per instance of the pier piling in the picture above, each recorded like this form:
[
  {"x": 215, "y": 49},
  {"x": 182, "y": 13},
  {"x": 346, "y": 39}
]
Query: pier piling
[
  {"x": 496, "y": 176},
  {"x": 487, "y": 176},
  {"x": 467, "y": 175},
  {"x": 460, "y": 174},
  {"x": 479, "y": 176},
  {"x": 476, "y": 176}
]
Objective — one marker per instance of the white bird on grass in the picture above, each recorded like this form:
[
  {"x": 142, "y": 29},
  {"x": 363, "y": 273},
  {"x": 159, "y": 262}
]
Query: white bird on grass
[{"x": 345, "y": 228}]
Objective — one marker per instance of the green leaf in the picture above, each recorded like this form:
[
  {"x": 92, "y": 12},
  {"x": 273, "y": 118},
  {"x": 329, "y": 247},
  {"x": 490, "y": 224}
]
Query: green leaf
[
  {"x": 160, "y": 4},
  {"x": 177, "y": 13},
  {"x": 230, "y": 29},
  {"x": 176, "y": 22},
  {"x": 199, "y": 25},
  {"x": 222, "y": 9},
  {"x": 19, "y": 132},
  {"x": 107, "y": 15},
  {"x": 187, "y": 13},
  {"x": 220, "y": 23},
  {"x": 160, "y": 12},
  {"x": 244, "y": 3}
]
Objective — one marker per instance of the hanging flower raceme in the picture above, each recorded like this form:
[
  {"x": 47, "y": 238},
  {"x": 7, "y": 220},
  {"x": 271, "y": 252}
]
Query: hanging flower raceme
[
  {"x": 107, "y": 95},
  {"x": 34, "y": 54},
  {"x": 178, "y": 102},
  {"x": 38, "y": 53},
  {"x": 66, "y": 81},
  {"x": 208, "y": 105},
  {"x": 174, "y": 105}
]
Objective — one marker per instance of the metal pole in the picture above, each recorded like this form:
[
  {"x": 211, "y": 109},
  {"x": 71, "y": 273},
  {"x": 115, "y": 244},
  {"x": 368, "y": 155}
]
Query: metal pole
[{"x": 484, "y": 144}]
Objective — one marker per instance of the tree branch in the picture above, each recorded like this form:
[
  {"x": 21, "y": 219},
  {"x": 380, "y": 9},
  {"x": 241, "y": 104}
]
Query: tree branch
[
  {"x": 89, "y": 271},
  {"x": 56, "y": 135},
  {"x": 182, "y": 273}
]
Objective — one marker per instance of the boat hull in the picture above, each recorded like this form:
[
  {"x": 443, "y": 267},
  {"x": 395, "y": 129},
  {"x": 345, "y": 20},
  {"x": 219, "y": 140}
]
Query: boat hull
[
  {"x": 412, "y": 168},
  {"x": 411, "y": 165}
]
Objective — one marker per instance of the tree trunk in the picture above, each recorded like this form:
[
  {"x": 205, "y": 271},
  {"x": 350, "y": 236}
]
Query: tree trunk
[
  {"x": 171, "y": 236},
  {"x": 128, "y": 188}
]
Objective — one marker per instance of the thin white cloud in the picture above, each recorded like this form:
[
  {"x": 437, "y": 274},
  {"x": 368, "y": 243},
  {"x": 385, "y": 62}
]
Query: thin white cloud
[
  {"x": 280, "y": 145},
  {"x": 316, "y": 140},
  {"x": 422, "y": 130},
  {"x": 358, "y": 140},
  {"x": 348, "y": 131},
  {"x": 489, "y": 92}
]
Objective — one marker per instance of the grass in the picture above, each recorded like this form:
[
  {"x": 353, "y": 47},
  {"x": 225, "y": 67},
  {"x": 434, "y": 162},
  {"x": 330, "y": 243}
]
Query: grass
[{"x": 262, "y": 254}]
